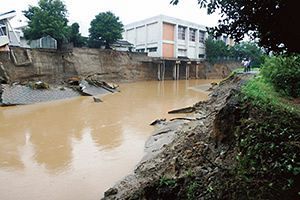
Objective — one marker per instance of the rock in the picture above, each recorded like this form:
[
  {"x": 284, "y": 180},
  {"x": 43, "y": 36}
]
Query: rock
[
  {"x": 97, "y": 100},
  {"x": 111, "y": 191},
  {"x": 188, "y": 153},
  {"x": 158, "y": 121},
  {"x": 182, "y": 110},
  {"x": 74, "y": 81},
  {"x": 39, "y": 85}
]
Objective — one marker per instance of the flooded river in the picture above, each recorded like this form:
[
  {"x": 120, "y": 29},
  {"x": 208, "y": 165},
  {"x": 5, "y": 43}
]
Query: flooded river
[{"x": 75, "y": 148}]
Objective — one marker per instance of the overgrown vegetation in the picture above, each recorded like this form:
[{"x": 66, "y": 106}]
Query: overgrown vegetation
[
  {"x": 217, "y": 50},
  {"x": 284, "y": 73},
  {"x": 262, "y": 93},
  {"x": 269, "y": 135}
]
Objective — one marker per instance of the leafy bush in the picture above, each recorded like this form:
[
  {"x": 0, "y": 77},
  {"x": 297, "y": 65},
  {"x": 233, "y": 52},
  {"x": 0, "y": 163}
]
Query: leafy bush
[{"x": 284, "y": 73}]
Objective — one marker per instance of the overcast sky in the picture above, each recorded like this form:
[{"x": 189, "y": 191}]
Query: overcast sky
[{"x": 83, "y": 11}]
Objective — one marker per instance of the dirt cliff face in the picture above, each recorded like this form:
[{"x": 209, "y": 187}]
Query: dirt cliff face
[
  {"x": 53, "y": 66},
  {"x": 202, "y": 152}
]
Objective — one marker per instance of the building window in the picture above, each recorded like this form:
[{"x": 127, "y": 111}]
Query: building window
[
  {"x": 201, "y": 56},
  {"x": 140, "y": 50},
  {"x": 181, "y": 33},
  {"x": 2, "y": 28},
  {"x": 201, "y": 36},
  {"x": 182, "y": 52},
  {"x": 192, "y": 35},
  {"x": 153, "y": 49}
]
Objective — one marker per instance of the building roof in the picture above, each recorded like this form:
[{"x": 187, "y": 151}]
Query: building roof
[
  {"x": 167, "y": 19},
  {"x": 122, "y": 43},
  {"x": 8, "y": 15}
]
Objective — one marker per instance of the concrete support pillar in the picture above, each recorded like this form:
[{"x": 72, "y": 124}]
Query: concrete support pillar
[
  {"x": 174, "y": 71},
  {"x": 158, "y": 71},
  {"x": 197, "y": 70},
  {"x": 163, "y": 70},
  {"x": 177, "y": 70},
  {"x": 187, "y": 70}
]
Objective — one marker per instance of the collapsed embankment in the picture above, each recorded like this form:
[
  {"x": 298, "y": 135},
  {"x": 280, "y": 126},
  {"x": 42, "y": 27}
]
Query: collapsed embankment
[
  {"x": 204, "y": 157},
  {"x": 54, "y": 67}
]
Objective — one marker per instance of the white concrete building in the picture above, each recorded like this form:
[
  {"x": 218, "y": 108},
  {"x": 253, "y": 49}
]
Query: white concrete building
[
  {"x": 8, "y": 36},
  {"x": 167, "y": 37}
]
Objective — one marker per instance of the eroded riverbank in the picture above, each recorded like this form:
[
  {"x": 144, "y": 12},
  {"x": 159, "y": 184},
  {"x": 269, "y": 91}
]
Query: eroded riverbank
[{"x": 77, "y": 148}]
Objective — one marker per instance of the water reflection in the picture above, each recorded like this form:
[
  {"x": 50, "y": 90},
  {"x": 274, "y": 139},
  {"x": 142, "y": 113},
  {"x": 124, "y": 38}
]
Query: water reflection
[{"x": 77, "y": 142}]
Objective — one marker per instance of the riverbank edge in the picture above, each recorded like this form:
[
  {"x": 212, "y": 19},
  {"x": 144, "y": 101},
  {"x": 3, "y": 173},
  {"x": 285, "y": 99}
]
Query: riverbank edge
[{"x": 176, "y": 159}]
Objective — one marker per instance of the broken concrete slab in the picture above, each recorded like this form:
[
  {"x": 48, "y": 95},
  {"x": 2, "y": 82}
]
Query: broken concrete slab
[
  {"x": 19, "y": 94},
  {"x": 91, "y": 90}
]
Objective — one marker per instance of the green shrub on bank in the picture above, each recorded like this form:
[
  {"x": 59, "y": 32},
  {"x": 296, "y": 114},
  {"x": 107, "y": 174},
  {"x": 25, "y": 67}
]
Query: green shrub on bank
[
  {"x": 284, "y": 73},
  {"x": 268, "y": 139},
  {"x": 260, "y": 92}
]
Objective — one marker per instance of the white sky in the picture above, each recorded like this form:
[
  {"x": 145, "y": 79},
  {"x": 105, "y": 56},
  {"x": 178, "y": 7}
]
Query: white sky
[{"x": 83, "y": 11}]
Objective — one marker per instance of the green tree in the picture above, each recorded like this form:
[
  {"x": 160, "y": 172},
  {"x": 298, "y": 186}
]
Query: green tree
[
  {"x": 48, "y": 18},
  {"x": 105, "y": 29},
  {"x": 248, "y": 50},
  {"x": 75, "y": 36},
  {"x": 218, "y": 50},
  {"x": 215, "y": 49},
  {"x": 273, "y": 22}
]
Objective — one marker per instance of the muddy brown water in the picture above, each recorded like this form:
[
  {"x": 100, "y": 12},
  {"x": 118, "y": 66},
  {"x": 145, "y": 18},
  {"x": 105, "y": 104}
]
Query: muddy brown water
[{"x": 77, "y": 149}]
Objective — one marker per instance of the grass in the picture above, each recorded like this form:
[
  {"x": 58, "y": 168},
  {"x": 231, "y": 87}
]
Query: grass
[
  {"x": 164, "y": 181},
  {"x": 263, "y": 94},
  {"x": 241, "y": 69}
]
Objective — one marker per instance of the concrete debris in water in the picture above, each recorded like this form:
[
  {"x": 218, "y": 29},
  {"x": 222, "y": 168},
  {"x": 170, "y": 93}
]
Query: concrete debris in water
[
  {"x": 158, "y": 121},
  {"x": 91, "y": 90},
  {"x": 20, "y": 94},
  {"x": 73, "y": 81},
  {"x": 182, "y": 110},
  {"x": 97, "y": 100},
  {"x": 39, "y": 85},
  {"x": 35, "y": 92}
]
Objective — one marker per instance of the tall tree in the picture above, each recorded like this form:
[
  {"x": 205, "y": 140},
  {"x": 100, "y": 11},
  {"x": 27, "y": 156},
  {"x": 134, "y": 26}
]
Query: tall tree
[
  {"x": 215, "y": 49},
  {"x": 48, "y": 18},
  {"x": 75, "y": 36},
  {"x": 105, "y": 29},
  {"x": 274, "y": 22}
]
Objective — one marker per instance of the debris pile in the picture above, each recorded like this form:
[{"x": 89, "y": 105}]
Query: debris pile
[{"x": 33, "y": 92}]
